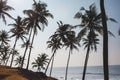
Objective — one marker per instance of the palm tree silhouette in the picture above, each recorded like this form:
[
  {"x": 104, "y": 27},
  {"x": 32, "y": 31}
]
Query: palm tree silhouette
[
  {"x": 40, "y": 62},
  {"x": 18, "y": 32},
  {"x": 105, "y": 41},
  {"x": 4, "y": 38},
  {"x": 18, "y": 61},
  {"x": 91, "y": 22},
  {"x": 90, "y": 19},
  {"x": 37, "y": 19},
  {"x": 56, "y": 40},
  {"x": 91, "y": 44},
  {"x": 55, "y": 44},
  {"x": 71, "y": 43},
  {"x": 4, "y": 8},
  {"x": 5, "y": 52}
]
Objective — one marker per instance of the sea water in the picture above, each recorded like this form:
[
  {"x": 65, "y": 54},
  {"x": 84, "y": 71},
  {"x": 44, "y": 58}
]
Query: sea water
[{"x": 92, "y": 73}]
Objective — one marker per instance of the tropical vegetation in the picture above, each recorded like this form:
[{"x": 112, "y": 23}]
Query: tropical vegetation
[{"x": 69, "y": 37}]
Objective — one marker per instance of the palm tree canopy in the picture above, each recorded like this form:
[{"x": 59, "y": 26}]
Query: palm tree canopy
[
  {"x": 62, "y": 31},
  {"x": 37, "y": 17},
  {"x": 18, "y": 30},
  {"x": 40, "y": 62},
  {"x": 71, "y": 41},
  {"x": 90, "y": 19},
  {"x": 4, "y": 37},
  {"x": 18, "y": 60},
  {"x": 4, "y": 53},
  {"x": 4, "y": 8},
  {"x": 55, "y": 44},
  {"x": 91, "y": 41}
]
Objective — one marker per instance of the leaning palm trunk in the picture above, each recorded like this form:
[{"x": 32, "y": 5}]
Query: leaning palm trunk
[
  {"x": 26, "y": 49},
  {"x": 105, "y": 41},
  {"x": 24, "y": 56},
  {"x": 13, "y": 53},
  {"x": 49, "y": 62},
  {"x": 30, "y": 51},
  {"x": 52, "y": 65},
  {"x": 67, "y": 65},
  {"x": 85, "y": 64}
]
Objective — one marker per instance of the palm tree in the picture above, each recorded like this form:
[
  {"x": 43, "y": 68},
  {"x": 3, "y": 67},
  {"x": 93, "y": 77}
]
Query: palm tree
[
  {"x": 91, "y": 44},
  {"x": 18, "y": 32},
  {"x": 40, "y": 62},
  {"x": 55, "y": 44},
  {"x": 4, "y": 54},
  {"x": 7, "y": 50},
  {"x": 105, "y": 41},
  {"x": 4, "y": 38},
  {"x": 18, "y": 61},
  {"x": 90, "y": 20},
  {"x": 70, "y": 43},
  {"x": 56, "y": 40},
  {"x": 38, "y": 19},
  {"x": 4, "y": 8},
  {"x": 90, "y": 23}
]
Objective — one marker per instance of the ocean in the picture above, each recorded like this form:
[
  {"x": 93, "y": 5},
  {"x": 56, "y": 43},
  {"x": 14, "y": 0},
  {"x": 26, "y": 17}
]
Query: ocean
[{"x": 93, "y": 73}]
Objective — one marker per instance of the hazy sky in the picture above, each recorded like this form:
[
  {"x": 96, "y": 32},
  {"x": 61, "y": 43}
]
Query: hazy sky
[{"x": 65, "y": 10}]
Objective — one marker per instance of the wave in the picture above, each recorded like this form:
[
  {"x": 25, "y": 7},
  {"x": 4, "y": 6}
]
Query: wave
[{"x": 90, "y": 73}]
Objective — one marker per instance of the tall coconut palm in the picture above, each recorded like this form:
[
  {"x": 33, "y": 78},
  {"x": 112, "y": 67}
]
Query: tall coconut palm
[
  {"x": 90, "y": 21},
  {"x": 71, "y": 43},
  {"x": 18, "y": 32},
  {"x": 91, "y": 44},
  {"x": 4, "y": 8},
  {"x": 105, "y": 41},
  {"x": 55, "y": 44},
  {"x": 38, "y": 19},
  {"x": 4, "y": 38},
  {"x": 40, "y": 62},
  {"x": 57, "y": 40}
]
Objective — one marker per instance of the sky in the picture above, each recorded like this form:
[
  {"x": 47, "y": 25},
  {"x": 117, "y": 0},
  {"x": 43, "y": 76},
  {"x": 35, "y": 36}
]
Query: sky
[{"x": 65, "y": 10}]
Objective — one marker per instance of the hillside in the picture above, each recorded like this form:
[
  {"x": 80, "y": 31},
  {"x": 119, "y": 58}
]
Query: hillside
[{"x": 7, "y": 73}]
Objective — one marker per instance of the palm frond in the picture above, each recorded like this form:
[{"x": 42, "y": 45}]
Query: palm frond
[
  {"x": 111, "y": 34},
  {"x": 113, "y": 20}
]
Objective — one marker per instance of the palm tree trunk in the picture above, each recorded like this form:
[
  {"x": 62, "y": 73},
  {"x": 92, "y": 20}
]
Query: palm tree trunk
[
  {"x": 67, "y": 65},
  {"x": 51, "y": 65},
  {"x": 85, "y": 64},
  {"x": 26, "y": 49},
  {"x": 30, "y": 51},
  {"x": 24, "y": 56},
  {"x": 105, "y": 41},
  {"x": 13, "y": 53},
  {"x": 49, "y": 62}
]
